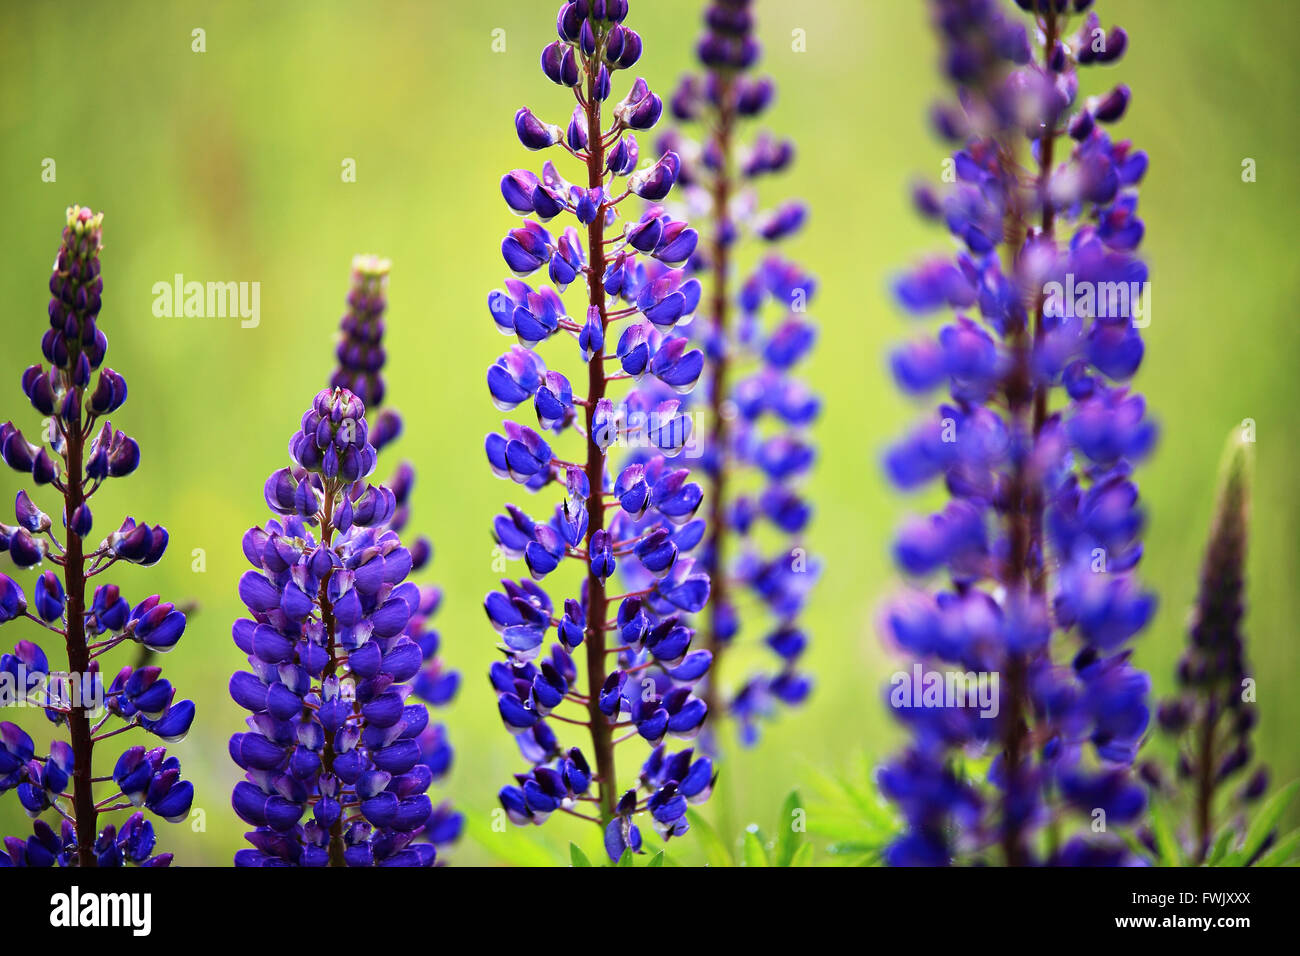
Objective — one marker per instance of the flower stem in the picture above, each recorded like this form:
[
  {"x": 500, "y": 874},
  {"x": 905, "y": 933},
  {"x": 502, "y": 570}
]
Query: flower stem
[
  {"x": 597, "y": 601},
  {"x": 1047, "y": 147},
  {"x": 327, "y": 620},
  {"x": 1205, "y": 780},
  {"x": 74, "y": 585},
  {"x": 1027, "y": 405},
  {"x": 721, "y": 301}
]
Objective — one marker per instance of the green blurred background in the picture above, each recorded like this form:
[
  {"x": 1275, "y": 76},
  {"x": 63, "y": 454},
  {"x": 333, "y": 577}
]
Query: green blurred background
[{"x": 225, "y": 166}]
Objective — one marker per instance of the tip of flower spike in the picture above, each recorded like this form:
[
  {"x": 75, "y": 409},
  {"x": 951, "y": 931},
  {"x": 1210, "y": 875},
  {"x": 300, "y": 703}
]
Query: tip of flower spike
[
  {"x": 1236, "y": 474},
  {"x": 369, "y": 266},
  {"x": 369, "y": 283},
  {"x": 1239, "y": 452},
  {"x": 333, "y": 439},
  {"x": 81, "y": 219},
  {"x": 84, "y": 231}
]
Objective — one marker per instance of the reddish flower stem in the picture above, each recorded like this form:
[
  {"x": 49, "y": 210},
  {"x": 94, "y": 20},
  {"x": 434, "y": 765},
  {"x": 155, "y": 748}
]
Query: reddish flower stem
[
  {"x": 336, "y": 847},
  {"x": 1027, "y": 404},
  {"x": 74, "y": 586},
  {"x": 597, "y": 601}
]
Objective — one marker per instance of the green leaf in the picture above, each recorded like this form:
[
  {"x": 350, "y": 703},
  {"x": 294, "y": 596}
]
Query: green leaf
[
  {"x": 755, "y": 853},
  {"x": 1266, "y": 820},
  {"x": 1221, "y": 845},
  {"x": 1168, "y": 853},
  {"x": 1284, "y": 851},
  {"x": 577, "y": 857},
  {"x": 802, "y": 856},
  {"x": 715, "y": 851},
  {"x": 625, "y": 859},
  {"x": 657, "y": 859},
  {"x": 788, "y": 840},
  {"x": 856, "y": 854},
  {"x": 1137, "y": 847},
  {"x": 850, "y": 815}
]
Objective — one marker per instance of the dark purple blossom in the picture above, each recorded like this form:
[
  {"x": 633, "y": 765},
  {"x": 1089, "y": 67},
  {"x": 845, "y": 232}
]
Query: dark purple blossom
[
  {"x": 79, "y": 452},
  {"x": 1035, "y": 441},
  {"x": 1213, "y": 713}
]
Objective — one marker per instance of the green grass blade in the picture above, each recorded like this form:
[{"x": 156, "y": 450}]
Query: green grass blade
[
  {"x": 577, "y": 857},
  {"x": 715, "y": 851}
]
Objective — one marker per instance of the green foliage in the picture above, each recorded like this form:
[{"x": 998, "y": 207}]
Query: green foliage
[
  {"x": 1168, "y": 850},
  {"x": 513, "y": 846},
  {"x": 754, "y": 852},
  {"x": 791, "y": 846},
  {"x": 715, "y": 850},
  {"x": 1237, "y": 842},
  {"x": 852, "y": 815},
  {"x": 1262, "y": 826},
  {"x": 578, "y": 858}
]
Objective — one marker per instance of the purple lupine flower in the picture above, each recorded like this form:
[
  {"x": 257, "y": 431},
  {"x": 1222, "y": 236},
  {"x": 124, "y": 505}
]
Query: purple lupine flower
[
  {"x": 80, "y": 450},
  {"x": 633, "y": 523},
  {"x": 361, "y": 359},
  {"x": 759, "y": 411},
  {"x": 1035, "y": 443},
  {"x": 1213, "y": 713},
  {"x": 336, "y": 772}
]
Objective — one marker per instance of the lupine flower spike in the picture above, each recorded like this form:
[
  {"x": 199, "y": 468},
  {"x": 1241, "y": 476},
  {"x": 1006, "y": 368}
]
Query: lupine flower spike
[
  {"x": 757, "y": 449},
  {"x": 1035, "y": 442},
  {"x": 79, "y": 451},
  {"x": 355, "y": 752},
  {"x": 336, "y": 769},
  {"x": 361, "y": 358},
  {"x": 1214, "y": 712},
  {"x": 638, "y": 663}
]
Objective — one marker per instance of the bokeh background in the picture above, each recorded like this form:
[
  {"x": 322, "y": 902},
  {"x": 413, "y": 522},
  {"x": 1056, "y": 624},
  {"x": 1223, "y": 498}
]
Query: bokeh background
[{"x": 225, "y": 166}]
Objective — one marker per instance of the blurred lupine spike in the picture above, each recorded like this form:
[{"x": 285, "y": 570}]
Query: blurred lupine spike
[
  {"x": 360, "y": 351},
  {"x": 1213, "y": 713},
  {"x": 75, "y": 459},
  {"x": 1036, "y": 443},
  {"x": 753, "y": 427},
  {"x": 435, "y": 684},
  {"x": 635, "y": 523}
]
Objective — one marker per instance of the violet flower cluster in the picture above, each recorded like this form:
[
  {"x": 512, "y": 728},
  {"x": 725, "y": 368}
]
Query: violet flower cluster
[
  {"x": 757, "y": 450},
  {"x": 1035, "y": 442},
  {"x": 638, "y": 520},
  {"x": 1213, "y": 714},
  {"x": 343, "y": 658},
  {"x": 331, "y": 735},
  {"x": 80, "y": 451}
]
